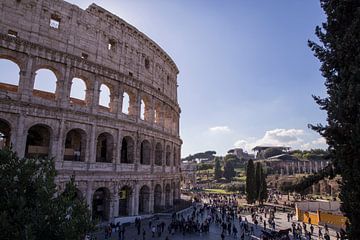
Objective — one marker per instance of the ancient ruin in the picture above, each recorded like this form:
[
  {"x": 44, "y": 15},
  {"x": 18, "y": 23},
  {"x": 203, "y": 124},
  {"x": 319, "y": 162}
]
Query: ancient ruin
[{"x": 118, "y": 131}]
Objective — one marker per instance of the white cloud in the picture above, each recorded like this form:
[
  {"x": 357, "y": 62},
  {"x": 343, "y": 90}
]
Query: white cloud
[
  {"x": 219, "y": 129},
  {"x": 317, "y": 143}
]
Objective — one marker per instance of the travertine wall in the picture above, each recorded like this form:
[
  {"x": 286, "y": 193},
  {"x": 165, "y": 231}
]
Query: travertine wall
[{"x": 106, "y": 147}]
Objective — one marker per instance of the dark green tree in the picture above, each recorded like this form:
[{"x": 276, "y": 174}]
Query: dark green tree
[
  {"x": 263, "y": 193},
  {"x": 339, "y": 53},
  {"x": 31, "y": 208},
  {"x": 229, "y": 171},
  {"x": 258, "y": 173},
  {"x": 217, "y": 169},
  {"x": 250, "y": 182}
]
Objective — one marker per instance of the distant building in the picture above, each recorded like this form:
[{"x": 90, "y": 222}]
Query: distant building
[
  {"x": 241, "y": 154},
  {"x": 261, "y": 149},
  {"x": 188, "y": 174}
]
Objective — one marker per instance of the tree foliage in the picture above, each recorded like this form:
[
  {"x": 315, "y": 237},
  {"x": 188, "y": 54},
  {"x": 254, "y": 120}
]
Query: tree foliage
[
  {"x": 260, "y": 183},
  {"x": 250, "y": 182},
  {"x": 229, "y": 171},
  {"x": 31, "y": 208},
  {"x": 202, "y": 155},
  {"x": 217, "y": 169},
  {"x": 339, "y": 53}
]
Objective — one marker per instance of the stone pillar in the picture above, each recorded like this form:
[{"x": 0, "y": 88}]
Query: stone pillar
[
  {"x": 92, "y": 147},
  {"x": 149, "y": 111},
  {"x": 59, "y": 148},
  {"x": 120, "y": 102},
  {"x": 26, "y": 81},
  {"x": 117, "y": 146},
  {"x": 89, "y": 193},
  {"x": 115, "y": 202},
  {"x": 114, "y": 102},
  {"x": 151, "y": 200},
  {"x": 152, "y": 155},
  {"x": 95, "y": 93},
  {"x": 21, "y": 136},
  {"x": 63, "y": 88},
  {"x": 135, "y": 200},
  {"x": 134, "y": 108},
  {"x": 163, "y": 195}
]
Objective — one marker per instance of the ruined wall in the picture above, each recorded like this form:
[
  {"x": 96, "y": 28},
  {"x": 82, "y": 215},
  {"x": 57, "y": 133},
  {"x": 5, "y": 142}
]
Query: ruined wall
[{"x": 103, "y": 146}]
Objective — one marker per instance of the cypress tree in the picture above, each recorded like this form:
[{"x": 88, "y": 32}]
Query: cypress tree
[
  {"x": 258, "y": 171},
  {"x": 263, "y": 193},
  {"x": 229, "y": 171},
  {"x": 250, "y": 182},
  {"x": 217, "y": 169},
  {"x": 339, "y": 53}
]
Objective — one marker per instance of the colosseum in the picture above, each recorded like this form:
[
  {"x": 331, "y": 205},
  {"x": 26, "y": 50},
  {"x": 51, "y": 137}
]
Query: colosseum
[{"x": 91, "y": 91}]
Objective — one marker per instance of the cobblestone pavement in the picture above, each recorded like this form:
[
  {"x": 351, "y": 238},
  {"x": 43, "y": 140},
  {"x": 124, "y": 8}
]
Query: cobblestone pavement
[{"x": 214, "y": 232}]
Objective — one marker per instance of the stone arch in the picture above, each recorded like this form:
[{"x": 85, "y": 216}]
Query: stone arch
[
  {"x": 157, "y": 198},
  {"x": 167, "y": 195},
  {"x": 168, "y": 156},
  {"x": 38, "y": 141},
  {"x": 105, "y": 96},
  {"x": 126, "y": 103},
  {"x": 78, "y": 91},
  {"x": 158, "y": 154},
  {"x": 9, "y": 79},
  {"x": 127, "y": 150},
  {"x": 125, "y": 196},
  {"x": 105, "y": 148},
  {"x": 142, "y": 109},
  {"x": 145, "y": 152},
  {"x": 75, "y": 145},
  {"x": 144, "y": 200},
  {"x": 5, "y": 134},
  {"x": 101, "y": 204},
  {"x": 45, "y": 83}
]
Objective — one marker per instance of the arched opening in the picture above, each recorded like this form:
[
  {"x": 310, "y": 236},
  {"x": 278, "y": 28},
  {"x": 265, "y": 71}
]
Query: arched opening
[
  {"x": 5, "y": 133},
  {"x": 78, "y": 91},
  {"x": 75, "y": 145},
  {"x": 45, "y": 84},
  {"x": 167, "y": 195},
  {"x": 158, "y": 154},
  {"x": 142, "y": 109},
  {"x": 101, "y": 204},
  {"x": 38, "y": 142},
  {"x": 168, "y": 155},
  {"x": 125, "y": 195},
  {"x": 156, "y": 116},
  {"x": 127, "y": 150},
  {"x": 173, "y": 191},
  {"x": 9, "y": 79},
  {"x": 157, "y": 198},
  {"x": 104, "y": 148},
  {"x": 144, "y": 200},
  {"x": 145, "y": 152},
  {"x": 126, "y": 103},
  {"x": 104, "y": 98}
]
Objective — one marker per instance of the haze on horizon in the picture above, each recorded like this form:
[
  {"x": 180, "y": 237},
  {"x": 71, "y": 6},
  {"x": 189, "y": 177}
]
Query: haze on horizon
[{"x": 246, "y": 72}]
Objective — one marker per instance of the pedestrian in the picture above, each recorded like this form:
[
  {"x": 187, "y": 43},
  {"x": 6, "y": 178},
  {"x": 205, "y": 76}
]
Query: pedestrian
[
  {"x": 153, "y": 230},
  {"x": 144, "y": 234}
]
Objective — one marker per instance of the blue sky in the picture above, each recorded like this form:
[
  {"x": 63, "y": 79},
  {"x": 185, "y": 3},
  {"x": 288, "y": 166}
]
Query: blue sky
[{"x": 246, "y": 72}]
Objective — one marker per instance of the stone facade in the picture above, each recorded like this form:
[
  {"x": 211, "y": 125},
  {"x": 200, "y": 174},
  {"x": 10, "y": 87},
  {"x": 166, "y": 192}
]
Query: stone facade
[{"x": 124, "y": 164}]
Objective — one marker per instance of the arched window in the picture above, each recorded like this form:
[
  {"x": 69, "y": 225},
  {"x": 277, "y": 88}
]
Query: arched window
[
  {"x": 5, "y": 133},
  {"x": 38, "y": 141},
  {"x": 127, "y": 150},
  {"x": 104, "y": 148},
  {"x": 145, "y": 152},
  {"x": 157, "y": 198},
  {"x": 142, "y": 109},
  {"x": 78, "y": 90},
  {"x": 45, "y": 81},
  {"x": 75, "y": 145},
  {"x": 104, "y": 98},
  {"x": 9, "y": 77},
  {"x": 126, "y": 103},
  {"x": 144, "y": 200},
  {"x": 158, "y": 154}
]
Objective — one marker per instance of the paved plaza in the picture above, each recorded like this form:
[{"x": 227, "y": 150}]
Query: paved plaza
[{"x": 214, "y": 231}]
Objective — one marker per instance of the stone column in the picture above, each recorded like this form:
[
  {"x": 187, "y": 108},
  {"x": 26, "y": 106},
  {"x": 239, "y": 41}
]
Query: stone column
[
  {"x": 89, "y": 193},
  {"x": 117, "y": 146},
  {"x": 120, "y": 103},
  {"x": 26, "y": 81},
  {"x": 21, "y": 136},
  {"x": 151, "y": 200},
  {"x": 115, "y": 202},
  {"x": 92, "y": 147},
  {"x": 135, "y": 200},
  {"x": 63, "y": 88},
  {"x": 95, "y": 93},
  {"x": 163, "y": 194},
  {"x": 59, "y": 148}
]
